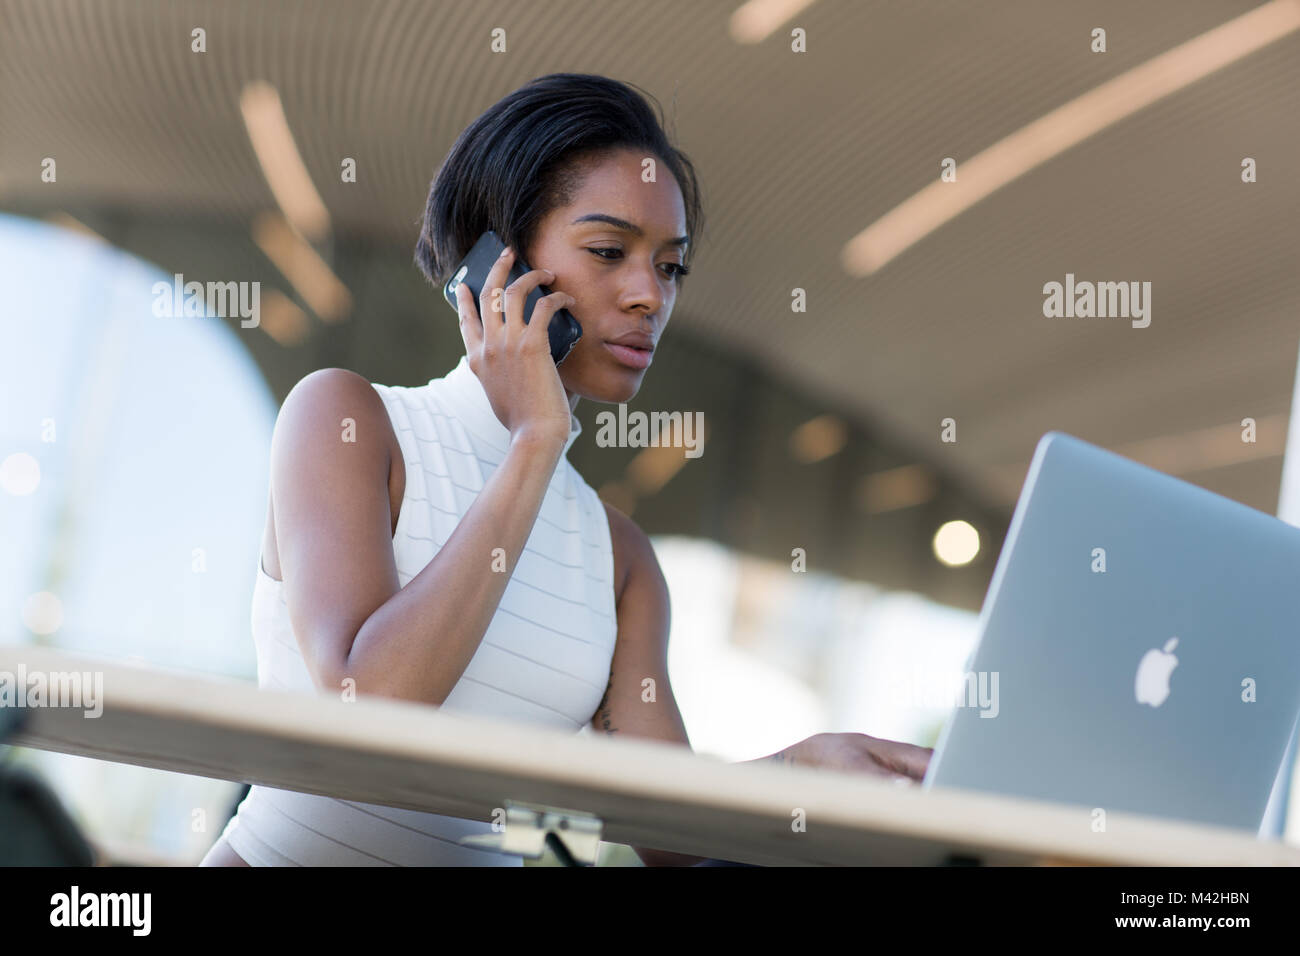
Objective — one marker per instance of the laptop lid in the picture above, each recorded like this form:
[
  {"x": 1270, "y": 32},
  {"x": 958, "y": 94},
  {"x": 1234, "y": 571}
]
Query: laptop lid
[{"x": 1138, "y": 649}]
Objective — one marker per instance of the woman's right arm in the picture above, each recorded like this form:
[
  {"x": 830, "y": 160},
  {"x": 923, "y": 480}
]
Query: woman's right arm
[
  {"x": 333, "y": 536},
  {"x": 333, "y": 521}
]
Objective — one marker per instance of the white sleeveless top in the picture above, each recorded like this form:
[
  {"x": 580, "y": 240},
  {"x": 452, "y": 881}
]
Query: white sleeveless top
[{"x": 544, "y": 660}]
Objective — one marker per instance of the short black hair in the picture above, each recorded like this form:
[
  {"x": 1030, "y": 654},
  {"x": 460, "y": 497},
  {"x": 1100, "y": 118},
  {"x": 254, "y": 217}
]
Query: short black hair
[{"x": 525, "y": 156}]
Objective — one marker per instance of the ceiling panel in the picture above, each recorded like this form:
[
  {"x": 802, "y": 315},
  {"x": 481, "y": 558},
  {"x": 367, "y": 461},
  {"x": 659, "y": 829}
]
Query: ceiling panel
[{"x": 797, "y": 154}]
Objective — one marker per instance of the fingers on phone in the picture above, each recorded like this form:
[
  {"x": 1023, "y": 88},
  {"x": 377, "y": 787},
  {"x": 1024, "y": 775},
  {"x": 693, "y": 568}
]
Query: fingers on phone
[
  {"x": 471, "y": 328},
  {"x": 492, "y": 298},
  {"x": 547, "y": 306},
  {"x": 516, "y": 297}
]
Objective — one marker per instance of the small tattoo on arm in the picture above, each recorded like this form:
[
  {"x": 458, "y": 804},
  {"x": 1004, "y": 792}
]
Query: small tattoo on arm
[{"x": 603, "y": 710}]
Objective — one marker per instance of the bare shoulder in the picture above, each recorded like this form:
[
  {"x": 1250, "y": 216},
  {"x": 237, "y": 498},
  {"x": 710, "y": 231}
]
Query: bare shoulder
[
  {"x": 633, "y": 552},
  {"x": 336, "y": 401},
  {"x": 334, "y": 427},
  {"x": 327, "y": 390},
  {"x": 332, "y": 511}
]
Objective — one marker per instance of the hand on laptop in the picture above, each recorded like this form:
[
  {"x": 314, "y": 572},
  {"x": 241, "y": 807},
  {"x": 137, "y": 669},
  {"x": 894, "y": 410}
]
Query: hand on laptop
[{"x": 859, "y": 753}]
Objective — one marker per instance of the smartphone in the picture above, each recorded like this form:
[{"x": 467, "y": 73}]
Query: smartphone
[{"x": 564, "y": 331}]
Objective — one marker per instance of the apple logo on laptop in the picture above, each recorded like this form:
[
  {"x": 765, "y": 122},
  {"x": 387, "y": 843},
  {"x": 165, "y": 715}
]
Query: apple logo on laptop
[{"x": 1152, "y": 686}]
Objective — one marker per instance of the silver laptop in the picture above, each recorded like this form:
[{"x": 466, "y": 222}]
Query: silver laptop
[{"x": 1145, "y": 637}]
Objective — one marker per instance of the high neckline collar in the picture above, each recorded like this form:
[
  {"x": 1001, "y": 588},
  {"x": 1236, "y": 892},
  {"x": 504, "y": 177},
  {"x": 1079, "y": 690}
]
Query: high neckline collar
[{"x": 475, "y": 410}]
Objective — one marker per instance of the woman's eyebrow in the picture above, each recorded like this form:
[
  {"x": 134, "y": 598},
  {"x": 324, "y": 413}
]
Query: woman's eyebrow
[{"x": 625, "y": 225}]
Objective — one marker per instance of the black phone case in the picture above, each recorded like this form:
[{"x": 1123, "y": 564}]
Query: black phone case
[{"x": 564, "y": 330}]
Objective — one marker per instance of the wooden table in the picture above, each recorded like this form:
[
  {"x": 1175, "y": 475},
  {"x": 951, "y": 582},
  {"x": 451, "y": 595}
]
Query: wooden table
[{"x": 645, "y": 793}]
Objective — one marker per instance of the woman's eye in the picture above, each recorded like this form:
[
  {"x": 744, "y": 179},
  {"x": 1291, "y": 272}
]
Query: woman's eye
[{"x": 676, "y": 269}]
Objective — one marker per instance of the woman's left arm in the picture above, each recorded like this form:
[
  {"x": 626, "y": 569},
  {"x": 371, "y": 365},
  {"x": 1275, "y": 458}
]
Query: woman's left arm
[
  {"x": 641, "y": 652},
  {"x": 629, "y": 709}
]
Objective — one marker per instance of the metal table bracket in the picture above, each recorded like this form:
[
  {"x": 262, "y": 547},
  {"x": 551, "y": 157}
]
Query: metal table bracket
[{"x": 529, "y": 829}]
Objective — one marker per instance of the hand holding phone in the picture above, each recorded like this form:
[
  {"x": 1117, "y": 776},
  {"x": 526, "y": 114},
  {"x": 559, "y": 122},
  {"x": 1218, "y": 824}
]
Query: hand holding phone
[
  {"x": 511, "y": 358},
  {"x": 564, "y": 330}
]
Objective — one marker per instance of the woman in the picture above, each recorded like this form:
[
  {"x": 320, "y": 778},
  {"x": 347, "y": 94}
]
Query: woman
[{"x": 434, "y": 544}]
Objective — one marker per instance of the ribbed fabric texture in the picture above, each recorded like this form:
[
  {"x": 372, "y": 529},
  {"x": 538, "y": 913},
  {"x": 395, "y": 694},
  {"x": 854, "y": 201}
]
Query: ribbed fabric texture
[{"x": 544, "y": 660}]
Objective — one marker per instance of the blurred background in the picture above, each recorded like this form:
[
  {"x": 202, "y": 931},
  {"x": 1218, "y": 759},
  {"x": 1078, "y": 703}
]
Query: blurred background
[{"x": 918, "y": 171}]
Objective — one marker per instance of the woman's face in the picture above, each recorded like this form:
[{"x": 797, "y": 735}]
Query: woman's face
[{"x": 622, "y": 273}]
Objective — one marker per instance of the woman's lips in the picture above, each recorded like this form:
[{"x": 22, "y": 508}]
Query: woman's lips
[{"x": 629, "y": 356}]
